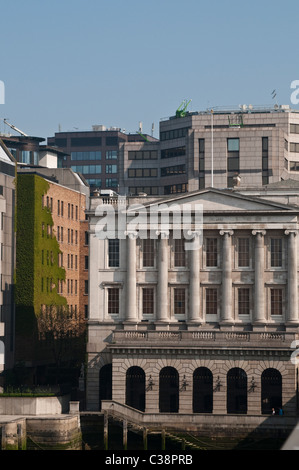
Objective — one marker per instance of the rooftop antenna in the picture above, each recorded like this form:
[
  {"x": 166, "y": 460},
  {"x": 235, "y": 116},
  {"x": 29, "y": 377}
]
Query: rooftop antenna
[
  {"x": 153, "y": 128},
  {"x": 274, "y": 94}
]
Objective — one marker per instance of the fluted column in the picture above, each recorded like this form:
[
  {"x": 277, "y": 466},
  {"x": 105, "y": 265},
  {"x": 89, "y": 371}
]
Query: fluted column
[
  {"x": 226, "y": 307},
  {"x": 131, "y": 313},
  {"x": 194, "y": 284},
  {"x": 162, "y": 288},
  {"x": 292, "y": 313},
  {"x": 259, "y": 292}
]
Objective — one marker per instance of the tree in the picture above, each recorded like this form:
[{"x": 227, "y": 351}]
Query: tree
[{"x": 62, "y": 336}]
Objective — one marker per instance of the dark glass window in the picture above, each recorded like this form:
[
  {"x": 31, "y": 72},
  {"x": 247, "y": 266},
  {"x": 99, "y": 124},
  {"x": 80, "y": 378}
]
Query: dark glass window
[
  {"x": 243, "y": 252},
  {"x": 211, "y": 252},
  {"x": 148, "y": 300},
  {"x": 179, "y": 252},
  {"x": 113, "y": 253},
  {"x": 148, "y": 252},
  {"x": 113, "y": 300},
  {"x": 179, "y": 300},
  {"x": 276, "y": 252},
  {"x": 243, "y": 301},
  {"x": 211, "y": 301},
  {"x": 276, "y": 301}
]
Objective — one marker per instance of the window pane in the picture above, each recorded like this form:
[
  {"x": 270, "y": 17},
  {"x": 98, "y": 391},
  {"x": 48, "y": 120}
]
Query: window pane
[
  {"x": 179, "y": 301},
  {"x": 148, "y": 300},
  {"x": 211, "y": 252},
  {"x": 148, "y": 252},
  {"x": 179, "y": 252},
  {"x": 233, "y": 145},
  {"x": 113, "y": 301},
  {"x": 243, "y": 252},
  {"x": 276, "y": 252},
  {"x": 113, "y": 253},
  {"x": 276, "y": 301},
  {"x": 243, "y": 301},
  {"x": 211, "y": 301}
]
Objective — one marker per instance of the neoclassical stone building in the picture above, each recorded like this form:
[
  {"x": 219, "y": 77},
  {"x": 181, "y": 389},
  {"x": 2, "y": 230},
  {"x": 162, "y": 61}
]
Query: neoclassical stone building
[{"x": 207, "y": 326}]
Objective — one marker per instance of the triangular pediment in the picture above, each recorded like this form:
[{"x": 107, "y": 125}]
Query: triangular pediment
[{"x": 213, "y": 200}]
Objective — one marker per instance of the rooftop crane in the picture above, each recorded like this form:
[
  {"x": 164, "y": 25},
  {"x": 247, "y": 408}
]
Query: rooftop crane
[
  {"x": 14, "y": 128},
  {"x": 182, "y": 112}
]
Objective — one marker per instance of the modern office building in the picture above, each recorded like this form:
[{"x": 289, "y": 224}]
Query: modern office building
[
  {"x": 178, "y": 330},
  {"x": 96, "y": 154},
  {"x": 253, "y": 144}
]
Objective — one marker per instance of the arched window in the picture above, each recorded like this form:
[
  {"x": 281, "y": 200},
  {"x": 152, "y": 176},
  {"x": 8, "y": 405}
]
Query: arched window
[
  {"x": 236, "y": 391},
  {"x": 271, "y": 383},
  {"x": 105, "y": 383},
  {"x": 202, "y": 390},
  {"x": 169, "y": 390},
  {"x": 135, "y": 388}
]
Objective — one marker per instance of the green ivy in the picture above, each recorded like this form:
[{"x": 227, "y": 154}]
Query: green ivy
[{"x": 32, "y": 246}]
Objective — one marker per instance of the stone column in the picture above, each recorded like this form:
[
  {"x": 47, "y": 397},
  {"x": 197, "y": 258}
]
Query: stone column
[
  {"x": 162, "y": 287},
  {"x": 259, "y": 292},
  {"x": 226, "y": 308},
  {"x": 292, "y": 314},
  {"x": 194, "y": 284},
  {"x": 131, "y": 313}
]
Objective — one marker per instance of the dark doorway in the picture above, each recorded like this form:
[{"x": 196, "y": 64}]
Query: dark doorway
[
  {"x": 169, "y": 390},
  {"x": 135, "y": 388},
  {"x": 202, "y": 390},
  {"x": 271, "y": 390},
  {"x": 236, "y": 391},
  {"x": 105, "y": 383}
]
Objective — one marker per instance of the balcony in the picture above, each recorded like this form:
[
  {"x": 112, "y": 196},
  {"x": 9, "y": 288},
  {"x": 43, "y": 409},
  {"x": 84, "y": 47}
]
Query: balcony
[{"x": 203, "y": 339}]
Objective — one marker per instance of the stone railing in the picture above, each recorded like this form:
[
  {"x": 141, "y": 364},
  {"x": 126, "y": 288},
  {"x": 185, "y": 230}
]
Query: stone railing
[{"x": 204, "y": 337}]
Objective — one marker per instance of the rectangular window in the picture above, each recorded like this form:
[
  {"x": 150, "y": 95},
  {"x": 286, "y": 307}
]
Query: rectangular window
[
  {"x": 179, "y": 252},
  {"x": 86, "y": 262},
  {"x": 243, "y": 252},
  {"x": 179, "y": 300},
  {"x": 113, "y": 301},
  {"x": 211, "y": 301},
  {"x": 276, "y": 252},
  {"x": 148, "y": 300},
  {"x": 111, "y": 169},
  {"x": 294, "y": 128},
  {"x": 276, "y": 301},
  {"x": 233, "y": 163},
  {"x": 243, "y": 301},
  {"x": 85, "y": 287},
  {"x": 211, "y": 252},
  {"x": 148, "y": 252},
  {"x": 113, "y": 253},
  {"x": 201, "y": 144}
]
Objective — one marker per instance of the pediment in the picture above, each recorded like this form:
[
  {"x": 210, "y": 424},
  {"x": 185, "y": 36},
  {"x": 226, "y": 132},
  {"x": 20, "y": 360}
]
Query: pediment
[{"x": 222, "y": 201}]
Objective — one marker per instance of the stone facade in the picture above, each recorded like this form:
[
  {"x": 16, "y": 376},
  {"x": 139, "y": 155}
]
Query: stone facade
[{"x": 184, "y": 330}]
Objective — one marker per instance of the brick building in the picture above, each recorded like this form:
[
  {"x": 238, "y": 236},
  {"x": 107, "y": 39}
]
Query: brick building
[{"x": 53, "y": 228}]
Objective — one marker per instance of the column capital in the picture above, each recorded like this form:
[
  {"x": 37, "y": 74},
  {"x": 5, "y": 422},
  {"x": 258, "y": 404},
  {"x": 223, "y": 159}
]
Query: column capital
[
  {"x": 226, "y": 232},
  {"x": 132, "y": 235},
  {"x": 163, "y": 234},
  {"x": 291, "y": 232},
  {"x": 260, "y": 232}
]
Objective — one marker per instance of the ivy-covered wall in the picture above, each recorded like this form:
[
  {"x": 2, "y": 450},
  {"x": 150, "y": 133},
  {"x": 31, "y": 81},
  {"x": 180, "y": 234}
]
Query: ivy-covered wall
[{"x": 37, "y": 269}]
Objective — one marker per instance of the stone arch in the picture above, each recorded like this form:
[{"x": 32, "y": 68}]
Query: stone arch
[
  {"x": 236, "y": 398},
  {"x": 135, "y": 388},
  {"x": 168, "y": 390},
  {"x": 105, "y": 383},
  {"x": 271, "y": 390},
  {"x": 202, "y": 399}
]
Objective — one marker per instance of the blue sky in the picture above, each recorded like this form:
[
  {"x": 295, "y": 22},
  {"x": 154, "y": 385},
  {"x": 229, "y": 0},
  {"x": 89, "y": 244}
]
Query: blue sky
[{"x": 76, "y": 63}]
